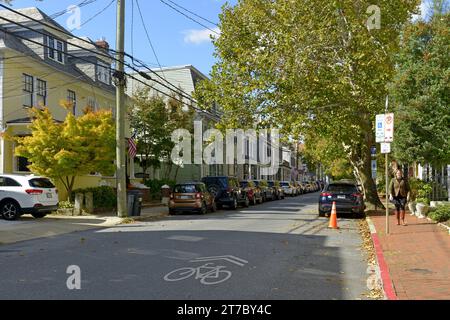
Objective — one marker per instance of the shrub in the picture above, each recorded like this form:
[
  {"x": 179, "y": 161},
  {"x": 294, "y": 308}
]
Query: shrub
[
  {"x": 104, "y": 197},
  {"x": 441, "y": 214},
  {"x": 156, "y": 185},
  {"x": 66, "y": 205}
]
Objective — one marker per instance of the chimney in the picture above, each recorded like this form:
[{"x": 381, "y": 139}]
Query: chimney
[{"x": 102, "y": 43}]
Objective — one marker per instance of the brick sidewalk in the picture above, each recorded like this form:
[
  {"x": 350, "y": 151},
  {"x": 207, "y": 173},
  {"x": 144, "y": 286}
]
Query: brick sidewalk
[{"x": 417, "y": 257}]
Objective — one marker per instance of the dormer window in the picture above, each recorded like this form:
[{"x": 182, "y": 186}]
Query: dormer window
[
  {"x": 103, "y": 73},
  {"x": 55, "y": 49}
]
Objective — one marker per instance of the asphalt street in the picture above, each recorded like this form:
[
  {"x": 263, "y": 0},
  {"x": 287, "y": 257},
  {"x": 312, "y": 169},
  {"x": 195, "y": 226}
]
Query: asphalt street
[{"x": 277, "y": 250}]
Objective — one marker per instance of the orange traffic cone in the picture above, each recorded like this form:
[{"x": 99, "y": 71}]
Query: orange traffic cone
[{"x": 333, "y": 218}]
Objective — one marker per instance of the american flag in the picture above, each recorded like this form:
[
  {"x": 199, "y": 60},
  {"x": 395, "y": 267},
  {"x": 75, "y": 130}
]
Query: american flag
[{"x": 132, "y": 148}]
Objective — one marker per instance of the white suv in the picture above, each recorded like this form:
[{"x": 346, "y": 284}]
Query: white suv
[
  {"x": 26, "y": 194},
  {"x": 288, "y": 188}
]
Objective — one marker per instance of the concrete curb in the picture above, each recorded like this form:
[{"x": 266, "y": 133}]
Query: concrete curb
[
  {"x": 388, "y": 287},
  {"x": 440, "y": 224}
]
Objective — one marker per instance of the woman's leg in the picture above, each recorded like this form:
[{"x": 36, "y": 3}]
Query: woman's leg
[{"x": 403, "y": 210}]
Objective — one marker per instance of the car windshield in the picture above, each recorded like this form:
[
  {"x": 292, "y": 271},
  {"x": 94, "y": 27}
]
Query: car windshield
[
  {"x": 271, "y": 183},
  {"x": 187, "y": 188},
  {"x": 284, "y": 184},
  {"x": 244, "y": 184},
  {"x": 256, "y": 183},
  {"x": 41, "y": 183},
  {"x": 342, "y": 188}
]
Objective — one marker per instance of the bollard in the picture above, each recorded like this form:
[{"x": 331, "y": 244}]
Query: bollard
[
  {"x": 89, "y": 202},
  {"x": 77, "y": 211}
]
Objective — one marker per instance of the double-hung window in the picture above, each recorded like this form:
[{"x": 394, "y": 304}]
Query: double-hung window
[
  {"x": 72, "y": 99},
  {"x": 27, "y": 90},
  {"x": 41, "y": 92},
  {"x": 55, "y": 49},
  {"x": 103, "y": 73}
]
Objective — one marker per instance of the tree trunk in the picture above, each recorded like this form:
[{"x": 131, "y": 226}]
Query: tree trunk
[{"x": 363, "y": 172}]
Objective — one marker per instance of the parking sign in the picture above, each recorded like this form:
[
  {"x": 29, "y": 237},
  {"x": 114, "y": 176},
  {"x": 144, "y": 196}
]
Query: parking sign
[{"x": 379, "y": 126}]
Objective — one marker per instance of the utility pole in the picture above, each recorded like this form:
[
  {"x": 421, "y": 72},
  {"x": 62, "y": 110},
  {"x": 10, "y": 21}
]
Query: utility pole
[
  {"x": 387, "y": 177},
  {"x": 120, "y": 112}
]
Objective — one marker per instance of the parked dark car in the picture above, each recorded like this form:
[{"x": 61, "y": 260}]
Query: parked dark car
[
  {"x": 268, "y": 193},
  {"x": 347, "y": 196},
  {"x": 254, "y": 193},
  {"x": 276, "y": 186},
  {"x": 226, "y": 191},
  {"x": 191, "y": 196}
]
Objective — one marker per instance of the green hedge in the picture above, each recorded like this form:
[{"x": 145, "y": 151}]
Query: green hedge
[
  {"x": 441, "y": 214},
  {"x": 156, "y": 185},
  {"x": 104, "y": 197}
]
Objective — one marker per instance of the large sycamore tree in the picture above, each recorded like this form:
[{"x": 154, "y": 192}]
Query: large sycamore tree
[
  {"x": 309, "y": 66},
  {"x": 73, "y": 148}
]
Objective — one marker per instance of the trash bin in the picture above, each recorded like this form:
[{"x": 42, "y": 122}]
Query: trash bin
[{"x": 134, "y": 203}]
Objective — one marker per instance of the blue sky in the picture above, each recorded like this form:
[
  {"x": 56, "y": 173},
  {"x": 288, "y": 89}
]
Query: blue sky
[{"x": 176, "y": 39}]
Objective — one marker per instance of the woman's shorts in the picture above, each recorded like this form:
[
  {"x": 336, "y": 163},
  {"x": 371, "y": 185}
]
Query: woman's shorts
[{"x": 400, "y": 203}]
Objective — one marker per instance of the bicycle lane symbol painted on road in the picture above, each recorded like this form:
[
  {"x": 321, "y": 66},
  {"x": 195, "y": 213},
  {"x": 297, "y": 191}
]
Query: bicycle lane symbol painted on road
[{"x": 208, "y": 273}]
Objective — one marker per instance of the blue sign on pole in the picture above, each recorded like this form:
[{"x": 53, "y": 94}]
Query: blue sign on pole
[
  {"x": 374, "y": 169},
  {"x": 373, "y": 151}
]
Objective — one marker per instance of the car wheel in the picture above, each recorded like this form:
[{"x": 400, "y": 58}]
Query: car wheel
[
  {"x": 235, "y": 204},
  {"x": 38, "y": 215},
  {"x": 214, "y": 190},
  {"x": 10, "y": 210},
  {"x": 172, "y": 212},
  {"x": 321, "y": 213},
  {"x": 204, "y": 209}
]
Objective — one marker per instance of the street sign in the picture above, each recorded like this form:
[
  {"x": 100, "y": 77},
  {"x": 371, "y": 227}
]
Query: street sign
[
  {"x": 389, "y": 127},
  {"x": 385, "y": 148},
  {"x": 374, "y": 169},
  {"x": 373, "y": 151},
  {"x": 380, "y": 132}
]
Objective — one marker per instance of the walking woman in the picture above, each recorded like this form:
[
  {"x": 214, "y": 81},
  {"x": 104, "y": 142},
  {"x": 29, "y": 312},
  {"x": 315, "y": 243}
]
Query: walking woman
[{"x": 399, "y": 195}]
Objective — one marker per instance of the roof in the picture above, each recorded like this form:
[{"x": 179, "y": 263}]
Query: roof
[
  {"x": 74, "y": 44},
  {"x": 32, "y": 12},
  {"x": 181, "y": 67}
]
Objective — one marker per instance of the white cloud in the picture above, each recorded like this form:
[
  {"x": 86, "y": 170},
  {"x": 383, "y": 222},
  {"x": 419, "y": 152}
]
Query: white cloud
[{"x": 195, "y": 36}]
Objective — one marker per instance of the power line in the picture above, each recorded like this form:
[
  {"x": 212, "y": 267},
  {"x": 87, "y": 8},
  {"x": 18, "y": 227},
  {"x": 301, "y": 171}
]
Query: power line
[
  {"x": 95, "y": 16},
  {"x": 90, "y": 62},
  {"x": 193, "y": 13},
  {"x": 82, "y": 40},
  {"x": 190, "y": 18},
  {"x": 148, "y": 36},
  {"x": 146, "y": 76},
  {"x": 62, "y": 12}
]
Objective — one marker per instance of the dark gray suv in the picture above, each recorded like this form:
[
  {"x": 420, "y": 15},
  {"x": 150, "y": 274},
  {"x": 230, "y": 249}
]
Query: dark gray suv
[
  {"x": 347, "y": 196},
  {"x": 227, "y": 191}
]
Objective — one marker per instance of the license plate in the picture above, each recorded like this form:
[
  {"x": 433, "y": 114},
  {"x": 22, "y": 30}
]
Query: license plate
[
  {"x": 184, "y": 197},
  {"x": 341, "y": 197},
  {"x": 49, "y": 195}
]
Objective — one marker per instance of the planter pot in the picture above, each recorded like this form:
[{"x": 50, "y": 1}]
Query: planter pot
[
  {"x": 422, "y": 210},
  {"x": 412, "y": 207}
]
